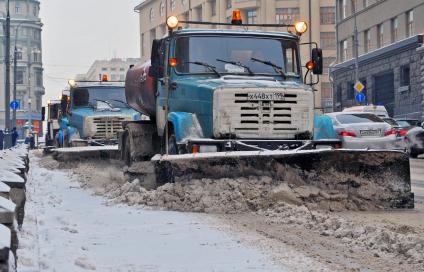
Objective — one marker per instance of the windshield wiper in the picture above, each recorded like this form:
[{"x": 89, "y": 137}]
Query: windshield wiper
[
  {"x": 238, "y": 64},
  {"x": 210, "y": 67},
  {"x": 120, "y": 101},
  {"x": 277, "y": 68},
  {"x": 106, "y": 102}
]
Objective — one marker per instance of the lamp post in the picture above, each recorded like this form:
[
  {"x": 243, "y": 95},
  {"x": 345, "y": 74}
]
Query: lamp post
[
  {"x": 7, "y": 62},
  {"x": 15, "y": 71}
]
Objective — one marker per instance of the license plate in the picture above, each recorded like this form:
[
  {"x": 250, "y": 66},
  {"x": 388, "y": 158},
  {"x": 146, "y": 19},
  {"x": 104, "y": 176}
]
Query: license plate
[
  {"x": 370, "y": 132},
  {"x": 265, "y": 96}
]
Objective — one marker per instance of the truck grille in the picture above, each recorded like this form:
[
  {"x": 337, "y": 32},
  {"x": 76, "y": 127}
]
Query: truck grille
[
  {"x": 268, "y": 117},
  {"x": 107, "y": 127}
]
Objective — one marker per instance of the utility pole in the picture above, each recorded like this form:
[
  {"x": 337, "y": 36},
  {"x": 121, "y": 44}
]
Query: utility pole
[
  {"x": 15, "y": 71},
  {"x": 7, "y": 62},
  {"x": 355, "y": 46}
]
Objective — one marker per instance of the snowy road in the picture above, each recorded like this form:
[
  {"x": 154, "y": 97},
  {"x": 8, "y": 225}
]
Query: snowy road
[{"x": 68, "y": 229}]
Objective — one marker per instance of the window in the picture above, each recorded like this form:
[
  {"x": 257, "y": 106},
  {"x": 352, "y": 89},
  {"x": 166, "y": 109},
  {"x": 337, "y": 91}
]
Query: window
[
  {"x": 394, "y": 29},
  {"x": 343, "y": 9},
  {"x": 35, "y": 11},
  {"x": 380, "y": 35},
  {"x": 199, "y": 13},
  {"x": 410, "y": 23},
  {"x": 213, "y": 7},
  {"x": 122, "y": 69},
  {"x": 326, "y": 90},
  {"x": 183, "y": 2},
  {"x": 142, "y": 44},
  {"x": 328, "y": 40},
  {"x": 36, "y": 55},
  {"x": 17, "y": 7},
  {"x": 20, "y": 76},
  {"x": 113, "y": 69},
  {"x": 286, "y": 15},
  {"x": 104, "y": 68},
  {"x": 252, "y": 17},
  {"x": 151, "y": 14},
  {"x": 367, "y": 41},
  {"x": 327, "y": 15},
  {"x": 366, "y": 3},
  {"x": 172, "y": 4},
  {"x": 326, "y": 62},
  {"x": 344, "y": 51},
  {"x": 404, "y": 76},
  {"x": 38, "y": 77},
  {"x": 228, "y": 4},
  {"x": 356, "y": 118},
  {"x": 161, "y": 9},
  {"x": 350, "y": 91},
  {"x": 18, "y": 53}
]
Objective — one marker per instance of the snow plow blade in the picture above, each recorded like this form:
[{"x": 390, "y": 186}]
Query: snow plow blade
[{"x": 360, "y": 178}]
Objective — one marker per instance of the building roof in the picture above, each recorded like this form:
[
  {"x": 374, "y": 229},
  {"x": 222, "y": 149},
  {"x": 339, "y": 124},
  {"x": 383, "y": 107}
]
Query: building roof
[{"x": 142, "y": 4}]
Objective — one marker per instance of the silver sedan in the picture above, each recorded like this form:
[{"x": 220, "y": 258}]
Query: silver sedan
[{"x": 364, "y": 130}]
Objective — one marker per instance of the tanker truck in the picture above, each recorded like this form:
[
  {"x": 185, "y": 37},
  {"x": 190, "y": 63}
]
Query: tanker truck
[{"x": 226, "y": 103}]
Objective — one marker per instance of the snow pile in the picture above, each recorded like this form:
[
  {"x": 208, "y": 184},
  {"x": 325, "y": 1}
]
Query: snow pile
[
  {"x": 382, "y": 241},
  {"x": 206, "y": 195}
]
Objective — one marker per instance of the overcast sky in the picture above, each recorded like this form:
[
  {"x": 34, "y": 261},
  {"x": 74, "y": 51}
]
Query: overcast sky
[{"x": 78, "y": 32}]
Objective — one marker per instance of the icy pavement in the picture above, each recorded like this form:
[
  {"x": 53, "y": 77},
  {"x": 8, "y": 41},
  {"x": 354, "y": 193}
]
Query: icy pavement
[{"x": 68, "y": 229}]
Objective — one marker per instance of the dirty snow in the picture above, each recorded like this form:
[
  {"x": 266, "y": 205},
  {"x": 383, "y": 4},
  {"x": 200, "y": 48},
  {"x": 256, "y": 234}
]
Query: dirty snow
[{"x": 68, "y": 229}]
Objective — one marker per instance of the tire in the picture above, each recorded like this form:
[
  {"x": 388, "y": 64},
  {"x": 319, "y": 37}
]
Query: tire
[
  {"x": 127, "y": 151},
  {"x": 413, "y": 153}
]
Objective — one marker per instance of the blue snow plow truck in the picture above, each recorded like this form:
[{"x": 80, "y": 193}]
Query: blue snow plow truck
[
  {"x": 92, "y": 113},
  {"x": 230, "y": 103}
]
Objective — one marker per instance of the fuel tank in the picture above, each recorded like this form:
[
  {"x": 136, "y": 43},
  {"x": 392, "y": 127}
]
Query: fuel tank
[{"x": 140, "y": 89}]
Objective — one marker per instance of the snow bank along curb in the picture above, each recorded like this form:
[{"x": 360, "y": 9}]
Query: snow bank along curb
[{"x": 14, "y": 165}]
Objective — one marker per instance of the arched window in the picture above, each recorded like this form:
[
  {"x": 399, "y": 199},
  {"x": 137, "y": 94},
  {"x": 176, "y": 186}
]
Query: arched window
[
  {"x": 162, "y": 9},
  {"x": 152, "y": 14}
]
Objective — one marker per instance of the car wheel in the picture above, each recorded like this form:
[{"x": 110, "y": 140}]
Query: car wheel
[{"x": 413, "y": 153}]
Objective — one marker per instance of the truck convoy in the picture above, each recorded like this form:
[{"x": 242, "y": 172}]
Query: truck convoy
[
  {"x": 92, "y": 113},
  {"x": 235, "y": 103}
]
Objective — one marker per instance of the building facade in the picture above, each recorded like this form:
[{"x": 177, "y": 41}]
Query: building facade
[
  {"x": 115, "y": 69},
  {"x": 320, "y": 15},
  {"x": 26, "y": 28},
  {"x": 391, "y": 55}
]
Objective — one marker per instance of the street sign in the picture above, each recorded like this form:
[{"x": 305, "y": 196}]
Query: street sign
[
  {"x": 360, "y": 97},
  {"x": 14, "y": 105},
  {"x": 359, "y": 87}
]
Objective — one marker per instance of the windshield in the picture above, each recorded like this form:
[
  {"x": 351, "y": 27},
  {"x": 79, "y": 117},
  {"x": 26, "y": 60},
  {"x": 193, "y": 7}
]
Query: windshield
[
  {"x": 358, "y": 118},
  {"x": 86, "y": 97},
  {"x": 217, "y": 50}
]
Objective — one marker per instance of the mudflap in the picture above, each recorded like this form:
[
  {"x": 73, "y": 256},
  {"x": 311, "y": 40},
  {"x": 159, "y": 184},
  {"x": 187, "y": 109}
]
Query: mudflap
[{"x": 358, "y": 176}]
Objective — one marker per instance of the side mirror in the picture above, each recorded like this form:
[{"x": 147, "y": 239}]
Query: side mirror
[
  {"x": 157, "y": 60},
  {"x": 43, "y": 114},
  {"x": 317, "y": 61},
  {"x": 422, "y": 125}
]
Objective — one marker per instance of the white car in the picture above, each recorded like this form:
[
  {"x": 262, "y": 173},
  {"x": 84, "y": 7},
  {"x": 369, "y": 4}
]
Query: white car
[{"x": 364, "y": 130}]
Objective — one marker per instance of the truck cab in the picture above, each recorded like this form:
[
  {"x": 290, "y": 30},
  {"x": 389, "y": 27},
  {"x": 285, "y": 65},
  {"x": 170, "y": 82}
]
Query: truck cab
[
  {"x": 210, "y": 90},
  {"x": 92, "y": 113}
]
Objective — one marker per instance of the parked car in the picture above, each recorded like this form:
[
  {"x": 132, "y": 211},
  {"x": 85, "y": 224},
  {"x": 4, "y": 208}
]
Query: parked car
[
  {"x": 364, "y": 130},
  {"x": 414, "y": 140},
  {"x": 408, "y": 124},
  {"x": 400, "y": 132},
  {"x": 380, "y": 111}
]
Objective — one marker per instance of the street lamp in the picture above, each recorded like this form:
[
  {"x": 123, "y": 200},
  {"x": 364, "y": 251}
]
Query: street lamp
[{"x": 15, "y": 71}]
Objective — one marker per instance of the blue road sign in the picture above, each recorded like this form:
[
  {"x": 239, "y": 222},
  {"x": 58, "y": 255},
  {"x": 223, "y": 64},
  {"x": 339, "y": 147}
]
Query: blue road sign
[
  {"x": 14, "y": 105},
  {"x": 360, "y": 97}
]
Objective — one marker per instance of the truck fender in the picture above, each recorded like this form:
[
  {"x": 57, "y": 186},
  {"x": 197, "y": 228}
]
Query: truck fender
[
  {"x": 323, "y": 128},
  {"x": 72, "y": 134},
  {"x": 186, "y": 126}
]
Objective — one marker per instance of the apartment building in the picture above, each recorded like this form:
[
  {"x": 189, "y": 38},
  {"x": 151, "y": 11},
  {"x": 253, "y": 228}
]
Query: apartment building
[
  {"x": 115, "y": 69},
  {"x": 25, "y": 31},
  {"x": 320, "y": 15},
  {"x": 391, "y": 55}
]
